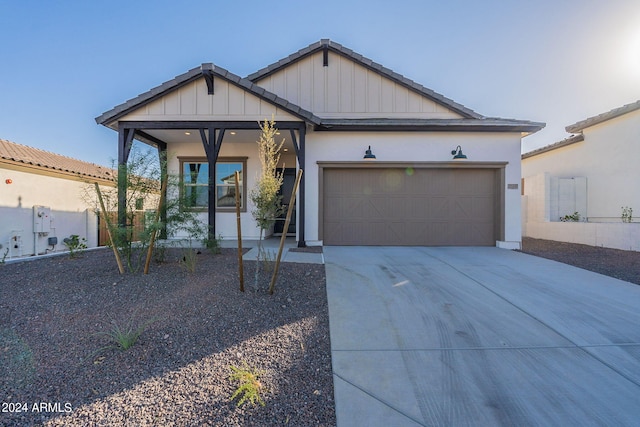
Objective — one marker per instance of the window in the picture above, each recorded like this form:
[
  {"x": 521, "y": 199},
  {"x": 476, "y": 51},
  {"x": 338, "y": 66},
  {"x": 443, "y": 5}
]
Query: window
[{"x": 195, "y": 179}]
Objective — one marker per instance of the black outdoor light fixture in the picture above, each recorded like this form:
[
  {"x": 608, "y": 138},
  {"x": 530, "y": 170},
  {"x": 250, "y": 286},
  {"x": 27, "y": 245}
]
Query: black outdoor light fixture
[
  {"x": 457, "y": 154},
  {"x": 368, "y": 155}
]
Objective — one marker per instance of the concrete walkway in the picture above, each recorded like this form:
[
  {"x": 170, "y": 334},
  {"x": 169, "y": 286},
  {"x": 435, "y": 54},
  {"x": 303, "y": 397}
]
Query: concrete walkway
[
  {"x": 272, "y": 244},
  {"x": 479, "y": 336}
]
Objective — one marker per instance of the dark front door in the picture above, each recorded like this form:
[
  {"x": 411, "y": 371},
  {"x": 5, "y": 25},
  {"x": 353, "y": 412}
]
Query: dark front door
[{"x": 289, "y": 180}]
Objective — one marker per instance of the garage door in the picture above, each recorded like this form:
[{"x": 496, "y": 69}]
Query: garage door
[{"x": 409, "y": 207}]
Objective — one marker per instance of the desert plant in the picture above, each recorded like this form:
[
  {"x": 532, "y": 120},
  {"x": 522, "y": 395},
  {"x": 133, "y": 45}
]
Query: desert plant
[
  {"x": 142, "y": 180},
  {"x": 213, "y": 245},
  {"x": 249, "y": 387},
  {"x": 144, "y": 172},
  {"x": 575, "y": 217},
  {"x": 4, "y": 255},
  {"x": 189, "y": 259},
  {"x": 75, "y": 244},
  {"x": 268, "y": 259},
  {"x": 627, "y": 214},
  {"x": 267, "y": 202},
  {"x": 123, "y": 337}
]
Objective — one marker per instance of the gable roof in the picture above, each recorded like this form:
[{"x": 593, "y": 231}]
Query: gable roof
[
  {"x": 194, "y": 74},
  {"x": 367, "y": 63},
  {"x": 22, "y": 155},
  {"x": 567, "y": 141},
  {"x": 470, "y": 121},
  {"x": 617, "y": 112}
]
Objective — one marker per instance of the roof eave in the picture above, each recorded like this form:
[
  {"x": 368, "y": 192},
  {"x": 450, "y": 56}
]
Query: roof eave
[
  {"x": 600, "y": 118},
  {"x": 565, "y": 142},
  {"x": 438, "y": 125}
]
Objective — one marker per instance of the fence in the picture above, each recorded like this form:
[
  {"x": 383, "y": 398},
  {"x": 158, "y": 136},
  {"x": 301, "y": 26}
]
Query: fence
[
  {"x": 139, "y": 221},
  {"x": 19, "y": 236}
]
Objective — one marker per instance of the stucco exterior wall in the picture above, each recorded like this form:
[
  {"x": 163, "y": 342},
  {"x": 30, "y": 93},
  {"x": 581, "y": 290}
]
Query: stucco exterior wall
[
  {"x": 69, "y": 212},
  {"x": 226, "y": 221},
  {"x": 608, "y": 158},
  {"x": 415, "y": 146},
  {"x": 28, "y": 189},
  {"x": 609, "y": 235}
]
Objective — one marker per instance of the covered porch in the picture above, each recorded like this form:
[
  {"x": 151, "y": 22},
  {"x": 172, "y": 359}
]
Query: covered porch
[{"x": 209, "y": 116}]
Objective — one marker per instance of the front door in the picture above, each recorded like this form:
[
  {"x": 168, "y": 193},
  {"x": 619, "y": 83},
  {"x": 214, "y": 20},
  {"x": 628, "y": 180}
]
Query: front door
[{"x": 289, "y": 180}]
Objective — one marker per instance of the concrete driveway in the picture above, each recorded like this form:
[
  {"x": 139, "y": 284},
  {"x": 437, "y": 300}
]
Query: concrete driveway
[{"x": 479, "y": 336}]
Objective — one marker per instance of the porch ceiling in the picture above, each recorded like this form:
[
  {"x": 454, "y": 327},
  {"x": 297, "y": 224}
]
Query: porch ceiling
[{"x": 239, "y": 136}]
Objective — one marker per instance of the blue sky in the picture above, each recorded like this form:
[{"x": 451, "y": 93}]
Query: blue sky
[{"x": 64, "y": 63}]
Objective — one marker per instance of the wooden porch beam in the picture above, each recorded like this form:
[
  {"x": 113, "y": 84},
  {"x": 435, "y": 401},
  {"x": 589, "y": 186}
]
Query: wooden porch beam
[
  {"x": 208, "y": 78},
  {"x": 125, "y": 142},
  {"x": 138, "y": 125},
  {"x": 212, "y": 141}
]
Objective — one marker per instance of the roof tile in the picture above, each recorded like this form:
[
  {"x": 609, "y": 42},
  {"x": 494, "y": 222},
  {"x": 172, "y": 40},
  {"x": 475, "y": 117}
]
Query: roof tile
[
  {"x": 33, "y": 156},
  {"x": 616, "y": 112}
]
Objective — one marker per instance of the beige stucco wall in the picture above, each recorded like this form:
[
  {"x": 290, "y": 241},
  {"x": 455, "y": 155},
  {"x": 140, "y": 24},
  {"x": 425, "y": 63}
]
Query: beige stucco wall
[
  {"x": 608, "y": 158},
  {"x": 69, "y": 212}
]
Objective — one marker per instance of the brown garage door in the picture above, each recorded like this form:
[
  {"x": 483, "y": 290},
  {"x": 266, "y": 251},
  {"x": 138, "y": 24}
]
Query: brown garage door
[{"x": 409, "y": 207}]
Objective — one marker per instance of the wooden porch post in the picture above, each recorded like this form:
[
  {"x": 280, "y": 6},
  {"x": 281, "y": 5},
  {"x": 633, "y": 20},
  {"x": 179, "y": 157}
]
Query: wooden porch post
[
  {"x": 212, "y": 144},
  {"x": 299, "y": 148},
  {"x": 125, "y": 142},
  {"x": 162, "y": 154}
]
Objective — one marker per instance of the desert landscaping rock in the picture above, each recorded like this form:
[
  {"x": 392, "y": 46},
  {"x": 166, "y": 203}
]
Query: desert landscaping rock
[
  {"x": 624, "y": 265},
  {"x": 54, "y": 312}
]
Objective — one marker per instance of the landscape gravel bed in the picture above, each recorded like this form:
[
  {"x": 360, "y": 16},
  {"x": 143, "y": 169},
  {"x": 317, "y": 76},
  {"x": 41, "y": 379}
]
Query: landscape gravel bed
[
  {"x": 57, "y": 369},
  {"x": 624, "y": 265}
]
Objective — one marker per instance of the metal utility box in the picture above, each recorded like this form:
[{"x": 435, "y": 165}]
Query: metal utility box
[{"x": 41, "y": 219}]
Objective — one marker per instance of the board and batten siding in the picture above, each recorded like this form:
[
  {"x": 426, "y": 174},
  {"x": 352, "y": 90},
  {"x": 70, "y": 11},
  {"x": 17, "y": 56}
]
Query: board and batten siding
[
  {"x": 345, "y": 88},
  {"x": 192, "y": 102}
]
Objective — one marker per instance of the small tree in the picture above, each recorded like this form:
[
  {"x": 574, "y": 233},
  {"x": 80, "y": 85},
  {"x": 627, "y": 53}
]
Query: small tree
[
  {"x": 143, "y": 183},
  {"x": 144, "y": 172},
  {"x": 267, "y": 202}
]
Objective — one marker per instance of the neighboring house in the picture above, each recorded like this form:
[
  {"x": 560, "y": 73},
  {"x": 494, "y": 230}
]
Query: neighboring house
[
  {"x": 331, "y": 104},
  {"x": 594, "y": 173},
  {"x": 41, "y": 201}
]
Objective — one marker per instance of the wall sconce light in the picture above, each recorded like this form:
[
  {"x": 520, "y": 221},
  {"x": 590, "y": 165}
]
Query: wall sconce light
[
  {"x": 8, "y": 181},
  {"x": 368, "y": 155},
  {"x": 457, "y": 154}
]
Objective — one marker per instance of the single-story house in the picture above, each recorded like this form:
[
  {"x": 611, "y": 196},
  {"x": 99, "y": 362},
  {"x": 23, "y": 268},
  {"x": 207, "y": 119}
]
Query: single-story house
[
  {"x": 335, "y": 107},
  {"x": 42, "y": 202},
  {"x": 592, "y": 172}
]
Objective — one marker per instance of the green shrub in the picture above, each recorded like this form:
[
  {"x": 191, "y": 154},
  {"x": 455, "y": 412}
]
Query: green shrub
[
  {"x": 249, "y": 387},
  {"x": 571, "y": 218},
  {"x": 123, "y": 337},
  {"x": 75, "y": 244}
]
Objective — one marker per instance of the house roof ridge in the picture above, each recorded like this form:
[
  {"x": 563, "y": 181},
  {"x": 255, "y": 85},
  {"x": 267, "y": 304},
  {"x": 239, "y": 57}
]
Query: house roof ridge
[
  {"x": 368, "y": 63},
  {"x": 611, "y": 114},
  {"x": 21, "y": 153}
]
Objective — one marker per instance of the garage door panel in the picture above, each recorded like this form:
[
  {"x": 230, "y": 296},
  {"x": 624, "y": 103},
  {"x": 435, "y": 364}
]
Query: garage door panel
[{"x": 426, "y": 207}]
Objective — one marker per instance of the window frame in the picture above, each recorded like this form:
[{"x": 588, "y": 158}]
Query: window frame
[{"x": 199, "y": 159}]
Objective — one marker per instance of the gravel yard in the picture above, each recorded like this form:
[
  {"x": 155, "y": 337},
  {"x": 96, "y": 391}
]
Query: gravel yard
[
  {"x": 54, "y": 311},
  {"x": 56, "y": 369},
  {"x": 624, "y": 265}
]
